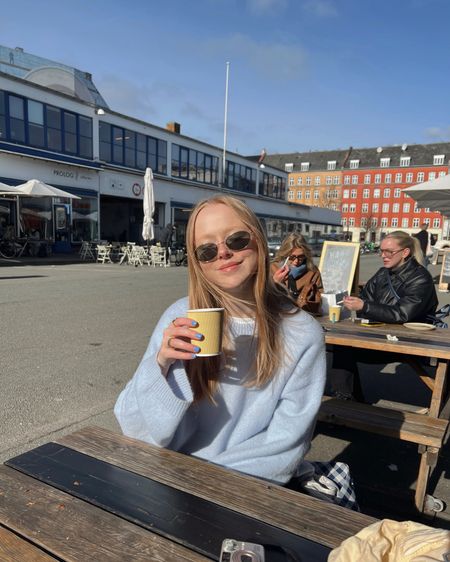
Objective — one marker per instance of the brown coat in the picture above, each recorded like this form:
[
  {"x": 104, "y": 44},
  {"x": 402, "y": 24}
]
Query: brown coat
[{"x": 309, "y": 287}]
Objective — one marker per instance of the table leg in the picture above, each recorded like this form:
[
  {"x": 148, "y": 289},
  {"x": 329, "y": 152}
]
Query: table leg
[
  {"x": 428, "y": 460},
  {"x": 439, "y": 387}
]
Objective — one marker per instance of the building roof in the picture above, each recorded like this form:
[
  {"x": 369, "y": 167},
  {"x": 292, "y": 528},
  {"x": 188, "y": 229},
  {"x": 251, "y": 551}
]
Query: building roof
[
  {"x": 420, "y": 154},
  {"x": 51, "y": 74}
]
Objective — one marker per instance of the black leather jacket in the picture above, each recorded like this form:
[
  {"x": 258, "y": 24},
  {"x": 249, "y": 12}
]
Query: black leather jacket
[{"x": 412, "y": 283}]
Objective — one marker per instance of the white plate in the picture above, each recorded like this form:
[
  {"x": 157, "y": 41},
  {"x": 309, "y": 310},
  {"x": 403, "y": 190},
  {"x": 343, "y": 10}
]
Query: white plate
[{"x": 419, "y": 326}]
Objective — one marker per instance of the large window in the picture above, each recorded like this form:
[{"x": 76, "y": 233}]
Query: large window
[
  {"x": 273, "y": 186},
  {"x": 84, "y": 219},
  {"x": 134, "y": 150},
  {"x": 54, "y": 136},
  {"x": 36, "y": 129},
  {"x": 194, "y": 165},
  {"x": 240, "y": 177},
  {"x": 29, "y": 122},
  {"x": 16, "y": 119}
]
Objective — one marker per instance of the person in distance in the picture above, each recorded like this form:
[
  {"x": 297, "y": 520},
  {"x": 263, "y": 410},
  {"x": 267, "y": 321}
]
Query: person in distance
[
  {"x": 252, "y": 408},
  {"x": 293, "y": 267}
]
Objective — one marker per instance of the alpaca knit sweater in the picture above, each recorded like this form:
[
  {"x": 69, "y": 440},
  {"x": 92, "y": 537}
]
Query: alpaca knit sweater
[{"x": 263, "y": 431}]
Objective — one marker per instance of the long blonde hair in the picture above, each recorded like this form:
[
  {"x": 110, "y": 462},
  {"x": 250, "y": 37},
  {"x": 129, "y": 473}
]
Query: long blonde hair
[
  {"x": 404, "y": 240},
  {"x": 271, "y": 301},
  {"x": 295, "y": 240}
]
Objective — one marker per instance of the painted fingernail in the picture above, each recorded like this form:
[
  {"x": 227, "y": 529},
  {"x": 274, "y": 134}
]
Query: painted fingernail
[
  {"x": 196, "y": 349},
  {"x": 194, "y": 323},
  {"x": 194, "y": 356},
  {"x": 199, "y": 336}
]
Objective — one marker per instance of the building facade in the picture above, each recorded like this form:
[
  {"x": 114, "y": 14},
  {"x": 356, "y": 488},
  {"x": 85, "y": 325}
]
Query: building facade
[
  {"x": 55, "y": 126},
  {"x": 367, "y": 184}
]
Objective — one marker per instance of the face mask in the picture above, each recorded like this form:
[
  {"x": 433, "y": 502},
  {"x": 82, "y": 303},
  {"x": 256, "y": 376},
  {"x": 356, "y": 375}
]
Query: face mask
[{"x": 298, "y": 271}]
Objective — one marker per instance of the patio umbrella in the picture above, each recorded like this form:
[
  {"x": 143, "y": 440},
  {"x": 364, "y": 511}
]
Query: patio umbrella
[
  {"x": 148, "y": 232},
  {"x": 8, "y": 189},
  {"x": 433, "y": 194},
  {"x": 37, "y": 188}
]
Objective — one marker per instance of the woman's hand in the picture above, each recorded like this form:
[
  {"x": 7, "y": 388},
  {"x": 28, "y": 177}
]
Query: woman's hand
[
  {"x": 281, "y": 275},
  {"x": 353, "y": 303},
  {"x": 176, "y": 343}
]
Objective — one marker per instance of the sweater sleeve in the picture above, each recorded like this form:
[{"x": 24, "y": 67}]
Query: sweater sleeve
[
  {"x": 276, "y": 452},
  {"x": 152, "y": 405}
]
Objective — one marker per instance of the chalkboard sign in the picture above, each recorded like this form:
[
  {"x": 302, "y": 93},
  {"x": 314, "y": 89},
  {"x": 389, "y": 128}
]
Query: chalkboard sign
[
  {"x": 338, "y": 265},
  {"x": 444, "y": 280}
]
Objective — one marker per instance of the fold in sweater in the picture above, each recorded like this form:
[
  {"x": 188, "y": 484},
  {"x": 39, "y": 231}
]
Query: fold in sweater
[{"x": 263, "y": 431}]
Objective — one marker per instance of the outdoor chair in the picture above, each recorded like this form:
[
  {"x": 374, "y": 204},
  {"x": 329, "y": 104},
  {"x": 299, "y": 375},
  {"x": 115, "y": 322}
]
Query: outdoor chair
[
  {"x": 139, "y": 256},
  {"x": 158, "y": 256},
  {"x": 125, "y": 252},
  {"x": 87, "y": 251},
  {"x": 103, "y": 253}
]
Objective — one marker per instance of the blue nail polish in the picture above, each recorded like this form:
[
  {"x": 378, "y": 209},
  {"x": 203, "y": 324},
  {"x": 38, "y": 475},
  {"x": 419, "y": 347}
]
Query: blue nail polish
[
  {"x": 194, "y": 323},
  {"x": 199, "y": 336},
  {"x": 196, "y": 349},
  {"x": 194, "y": 356}
]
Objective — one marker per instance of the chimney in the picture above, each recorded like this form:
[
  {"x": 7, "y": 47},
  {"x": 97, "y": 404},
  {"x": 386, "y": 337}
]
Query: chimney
[{"x": 173, "y": 127}]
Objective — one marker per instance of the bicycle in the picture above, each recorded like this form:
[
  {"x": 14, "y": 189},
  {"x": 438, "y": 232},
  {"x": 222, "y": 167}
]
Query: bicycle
[
  {"x": 8, "y": 248},
  {"x": 180, "y": 256}
]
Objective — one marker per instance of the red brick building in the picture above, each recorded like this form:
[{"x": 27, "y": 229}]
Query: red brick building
[{"x": 370, "y": 190}]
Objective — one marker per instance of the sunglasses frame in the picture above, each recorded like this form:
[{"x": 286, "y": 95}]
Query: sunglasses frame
[{"x": 215, "y": 247}]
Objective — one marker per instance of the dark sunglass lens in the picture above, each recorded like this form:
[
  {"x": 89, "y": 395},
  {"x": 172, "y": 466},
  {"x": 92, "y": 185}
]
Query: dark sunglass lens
[
  {"x": 207, "y": 252},
  {"x": 238, "y": 241}
]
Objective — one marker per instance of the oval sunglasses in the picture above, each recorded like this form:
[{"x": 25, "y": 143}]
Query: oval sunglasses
[{"x": 236, "y": 242}]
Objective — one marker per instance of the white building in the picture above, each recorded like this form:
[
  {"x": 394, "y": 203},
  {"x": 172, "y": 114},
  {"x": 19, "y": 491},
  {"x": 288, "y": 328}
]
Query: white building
[{"x": 55, "y": 126}]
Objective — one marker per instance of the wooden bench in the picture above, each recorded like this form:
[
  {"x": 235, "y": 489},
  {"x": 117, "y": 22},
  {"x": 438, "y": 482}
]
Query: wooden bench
[
  {"x": 427, "y": 432},
  {"x": 407, "y": 426}
]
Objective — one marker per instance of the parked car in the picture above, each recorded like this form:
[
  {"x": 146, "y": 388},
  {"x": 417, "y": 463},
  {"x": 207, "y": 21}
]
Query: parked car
[{"x": 274, "y": 244}]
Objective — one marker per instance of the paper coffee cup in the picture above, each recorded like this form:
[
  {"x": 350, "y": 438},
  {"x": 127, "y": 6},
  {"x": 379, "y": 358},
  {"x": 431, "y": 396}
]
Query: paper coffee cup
[
  {"x": 335, "y": 312},
  {"x": 210, "y": 325}
]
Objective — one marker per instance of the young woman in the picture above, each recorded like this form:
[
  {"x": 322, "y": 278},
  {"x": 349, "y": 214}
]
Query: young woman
[
  {"x": 300, "y": 275},
  {"x": 402, "y": 290},
  {"x": 253, "y": 408}
]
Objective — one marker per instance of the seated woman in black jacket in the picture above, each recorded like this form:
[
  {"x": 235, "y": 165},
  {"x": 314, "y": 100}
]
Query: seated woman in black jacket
[{"x": 401, "y": 291}]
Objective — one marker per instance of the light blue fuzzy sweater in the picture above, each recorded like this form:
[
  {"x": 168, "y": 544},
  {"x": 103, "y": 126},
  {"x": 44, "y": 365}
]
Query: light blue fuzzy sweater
[{"x": 264, "y": 431}]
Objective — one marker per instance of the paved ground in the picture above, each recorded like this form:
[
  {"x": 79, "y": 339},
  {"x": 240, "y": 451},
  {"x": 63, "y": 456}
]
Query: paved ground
[{"x": 73, "y": 334}]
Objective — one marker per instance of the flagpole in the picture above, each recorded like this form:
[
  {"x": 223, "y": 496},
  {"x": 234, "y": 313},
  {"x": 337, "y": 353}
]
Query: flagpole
[{"x": 225, "y": 125}]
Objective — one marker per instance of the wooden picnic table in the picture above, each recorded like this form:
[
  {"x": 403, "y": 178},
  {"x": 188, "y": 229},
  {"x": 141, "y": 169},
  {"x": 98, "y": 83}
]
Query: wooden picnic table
[
  {"x": 97, "y": 495},
  {"x": 426, "y": 428}
]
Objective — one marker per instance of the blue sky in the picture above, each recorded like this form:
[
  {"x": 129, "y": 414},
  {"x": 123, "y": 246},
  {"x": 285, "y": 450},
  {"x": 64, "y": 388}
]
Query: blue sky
[{"x": 304, "y": 74}]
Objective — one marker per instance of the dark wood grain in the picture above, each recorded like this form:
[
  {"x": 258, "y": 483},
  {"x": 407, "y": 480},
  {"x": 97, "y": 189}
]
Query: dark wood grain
[
  {"x": 193, "y": 522},
  {"x": 308, "y": 517},
  {"x": 76, "y": 531},
  {"x": 16, "y": 549}
]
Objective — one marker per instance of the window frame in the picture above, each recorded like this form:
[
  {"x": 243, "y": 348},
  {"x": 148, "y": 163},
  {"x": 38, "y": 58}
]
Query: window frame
[{"x": 62, "y": 136}]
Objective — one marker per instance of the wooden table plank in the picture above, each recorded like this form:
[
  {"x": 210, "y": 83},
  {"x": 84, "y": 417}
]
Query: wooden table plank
[
  {"x": 76, "y": 531},
  {"x": 16, "y": 549},
  {"x": 193, "y": 522},
  {"x": 300, "y": 514},
  {"x": 433, "y": 343}
]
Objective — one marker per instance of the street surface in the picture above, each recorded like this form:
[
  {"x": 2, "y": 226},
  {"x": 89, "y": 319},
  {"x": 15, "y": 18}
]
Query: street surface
[{"x": 73, "y": 334}]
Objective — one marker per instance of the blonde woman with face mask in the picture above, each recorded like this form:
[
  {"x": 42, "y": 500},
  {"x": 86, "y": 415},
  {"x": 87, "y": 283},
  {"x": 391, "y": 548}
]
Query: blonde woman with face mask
[
  {"x": 294, "y": 268},
  {"x": 252, "y": 408}
]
